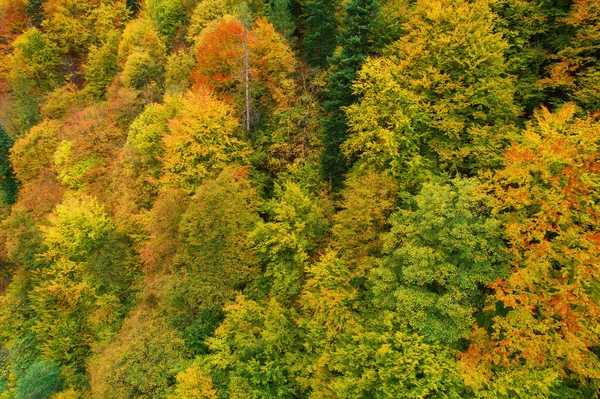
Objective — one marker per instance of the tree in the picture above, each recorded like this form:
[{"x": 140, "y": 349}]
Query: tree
[
  {"x": 32, "y": 69},
  {"x": 356, "y": 42},
  {"x": 74, "y": 26},
  {"x": 178, "y": 72},
  {"x": 8, "y": 183},
  {"x": 76, "y": 229},
  {"x": 220, "y": 57},
  {"x": 41, "y": 380},
  {"x": 24, "y": 244},
  {"x": 32, "y": 160},
  {"x": 141, "y": 362},
  {"x": 279, "y": 14},
  {"x": 320, "y": 30},
  {"x": 192, "y": 383},
  {"x": 67, "y": 24},
  {"x": 75, "y": 289},
  {"x": 535, "y": 31},
  {"x": 204, "y": 13},
  {"x": 224, "y": 64},
  {"x": 576, "y": 72},
  {"x": 354, "y": 352},
  {"x": 167, "y": 15},
  {"x": 200, "y": 142},
  {"x": 101, "y": 66},
  {"x": 442, "y": 249},
  {"x": 546, "y": 311},
  {"x": 330, "y": 317},
  {"x": 143, "y": 153},
  {"x": 35, "y": 11},
  {"x": 396, "y": 364},
  {"x": 60, "y": 101},
  {"x": 13, "y": 21},
  {"x": 89, "y": 140},
  {"x": 70, "y": 315},
  {"x": 367, "y": 201},
  {"x": 34, "y": 151},
  {"x": 286, "y": 243},
  {"x": 255, "y": 351},
  {"x": 214, "y": 258},
  {"x": 439, "y": 100},
  {"x": 162, "y": 227},
  {"x": 142, "y": 56}
]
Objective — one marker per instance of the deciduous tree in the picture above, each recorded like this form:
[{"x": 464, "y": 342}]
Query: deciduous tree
[{"x": 546, "y": 322}]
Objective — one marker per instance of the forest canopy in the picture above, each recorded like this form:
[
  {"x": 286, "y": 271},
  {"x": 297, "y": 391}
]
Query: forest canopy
[{"x": 299, "y": 199}]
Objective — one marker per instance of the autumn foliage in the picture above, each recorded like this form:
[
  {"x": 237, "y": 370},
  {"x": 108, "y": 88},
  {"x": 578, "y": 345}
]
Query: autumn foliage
[{"x": 299, "y": 199}]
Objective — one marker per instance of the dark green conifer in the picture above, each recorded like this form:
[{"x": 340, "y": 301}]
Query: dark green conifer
[
  {"x": 356, "y": 42},
  {"x": 8, "y": 183},
  {"x": 320, "y": 26}
]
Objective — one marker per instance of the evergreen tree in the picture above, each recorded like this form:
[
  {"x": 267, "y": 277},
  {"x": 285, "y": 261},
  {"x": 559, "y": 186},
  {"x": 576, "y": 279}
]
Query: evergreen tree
[
  {"x": 320, "y": 27},
  {"x": 279, "y": 13},
  {"x": 356, "y": 41},
  {"x": 35, "y": 11},
  {"x": 8, "y": 183}
]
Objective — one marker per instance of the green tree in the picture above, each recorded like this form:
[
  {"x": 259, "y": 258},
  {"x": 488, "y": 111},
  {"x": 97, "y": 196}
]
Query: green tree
[
  {"x": 575, "y": 73},
  {"x": 535, "y": 31},
  {"x": 279, "y": 14},
  {"x": 215, "y": 260},
  {"x": 31, "y": 70},
  {"x": 320, "y": 30},
  {"x": 178, "y": 72},
  {"x": 287, "y": 241},
  {"x": 142, "y": 156},
  {"x": 101, "y": 66},
  {"x": 205, "y": 12},
  {"x": 167, "y": 15},
  {"x": 395, "y": 364},
  {"x": 79, "y": 289},
  {"x": 255, "y": 351},
  {"x": 39, "y": 382},
  {"x": 356, "y": 41},
  {"x": 330, "y": 317},
  {"x": 442, "y": 249},
  {"x": 8, "y": 183},
  {"x": 354, "y": 352},
  {"x": 35, "y": 11},
  {"x": 142, "y": 56}
]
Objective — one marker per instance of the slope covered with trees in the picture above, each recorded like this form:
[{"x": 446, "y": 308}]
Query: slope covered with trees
[{"x": 299, "y": 199}]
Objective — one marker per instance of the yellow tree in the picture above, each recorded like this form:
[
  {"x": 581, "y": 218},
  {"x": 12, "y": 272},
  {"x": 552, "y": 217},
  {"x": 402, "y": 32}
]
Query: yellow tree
[
  {"x": 439, "y": 98},
  {"x": 547, "y": 326},
  {"x": 202, "y": 139}
]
